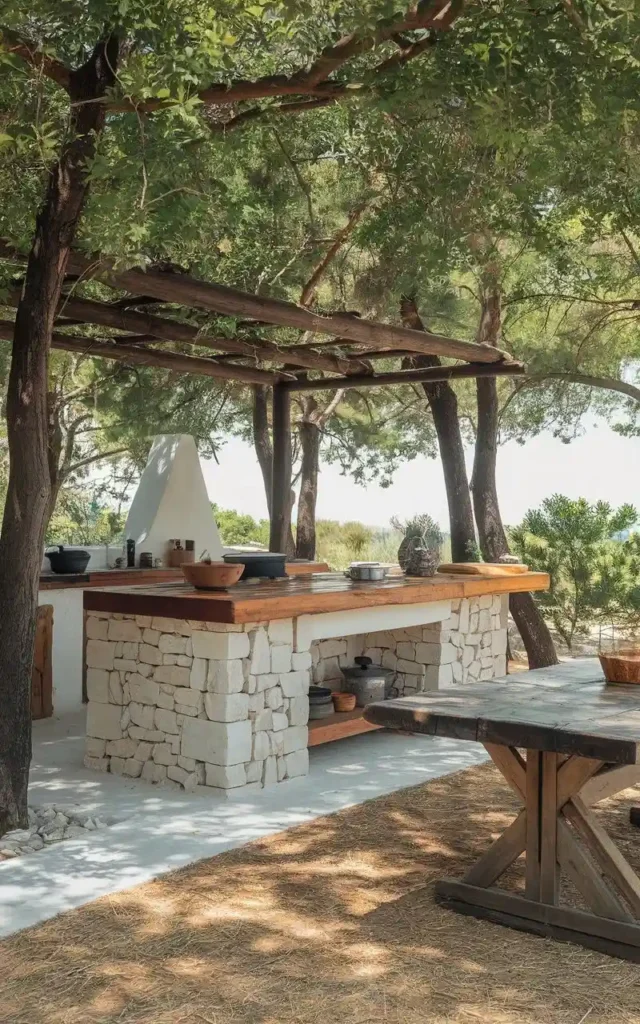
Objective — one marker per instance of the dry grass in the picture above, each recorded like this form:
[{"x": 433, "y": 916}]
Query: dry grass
[{"x": 329, "y": 923}]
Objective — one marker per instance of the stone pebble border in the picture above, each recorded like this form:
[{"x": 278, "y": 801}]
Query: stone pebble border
[{"x": 51, "y": 823}]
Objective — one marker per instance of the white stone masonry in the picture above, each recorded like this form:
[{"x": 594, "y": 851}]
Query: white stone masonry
[
  {"x": 469, "y": 646},
  {"x": 187, "y": 703},
  {"x": 195, "y": 704}
]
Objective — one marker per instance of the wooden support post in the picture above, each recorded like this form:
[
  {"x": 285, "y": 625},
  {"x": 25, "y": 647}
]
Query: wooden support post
[
  {"x": 281, "y": 476},
  {"x": 548, "y": 829},
  {"x": 532, "y": 879}
]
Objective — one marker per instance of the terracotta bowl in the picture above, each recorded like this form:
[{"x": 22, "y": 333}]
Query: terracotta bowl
[
  {"x": 212, "y": 575},
  {"x": 622, "y": 665},
  {"x": 344, "y": 701}
]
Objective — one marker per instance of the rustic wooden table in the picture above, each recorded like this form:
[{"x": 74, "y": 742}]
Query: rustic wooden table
[{"x": 582, "y": 743}]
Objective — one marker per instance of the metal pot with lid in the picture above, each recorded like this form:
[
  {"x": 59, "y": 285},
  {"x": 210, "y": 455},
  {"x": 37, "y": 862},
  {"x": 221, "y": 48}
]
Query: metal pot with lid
[
  {"x": 369, "y": 682},
  {"x": 68, "y": 560}
]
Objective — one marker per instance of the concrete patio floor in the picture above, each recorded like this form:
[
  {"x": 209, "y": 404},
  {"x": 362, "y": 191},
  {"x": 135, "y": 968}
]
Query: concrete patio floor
[{"x": 160, "y": 830}]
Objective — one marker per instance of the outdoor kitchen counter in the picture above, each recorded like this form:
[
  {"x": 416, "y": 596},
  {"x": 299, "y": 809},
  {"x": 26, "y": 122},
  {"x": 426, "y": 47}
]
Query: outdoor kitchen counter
[
  {"x": 300, "y": 595},
  {"x": 211, "y": 688}
]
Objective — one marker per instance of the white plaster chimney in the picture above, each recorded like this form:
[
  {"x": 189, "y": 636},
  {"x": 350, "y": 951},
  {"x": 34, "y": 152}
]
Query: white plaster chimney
[{"x": 172, "y": 501}]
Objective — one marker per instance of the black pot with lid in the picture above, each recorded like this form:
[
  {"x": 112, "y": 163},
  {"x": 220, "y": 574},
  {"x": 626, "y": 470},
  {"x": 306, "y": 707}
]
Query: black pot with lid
[
  {"x": 68, "y": 560},
  {"x": 369, "y": 682},
  {"x": 269, "y": 564}
]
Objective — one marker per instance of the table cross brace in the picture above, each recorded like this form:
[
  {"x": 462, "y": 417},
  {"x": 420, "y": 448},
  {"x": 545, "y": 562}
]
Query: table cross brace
[{"x": 557, "y": 832}]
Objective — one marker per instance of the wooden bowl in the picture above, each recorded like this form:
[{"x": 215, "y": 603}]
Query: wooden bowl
[
  {"x": 212, "y": 575},
  {"x": 344, "y": 701},
  {"x": 621, "y": 666}
]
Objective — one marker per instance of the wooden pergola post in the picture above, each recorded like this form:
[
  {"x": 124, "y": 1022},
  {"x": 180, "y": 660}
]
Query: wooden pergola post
[{"x": 281, "y": 475}]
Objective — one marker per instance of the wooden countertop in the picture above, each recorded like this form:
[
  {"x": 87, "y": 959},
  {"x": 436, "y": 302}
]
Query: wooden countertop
[
  {"x": 133, "y": 577},
  {"x": 301, "y": 595}
]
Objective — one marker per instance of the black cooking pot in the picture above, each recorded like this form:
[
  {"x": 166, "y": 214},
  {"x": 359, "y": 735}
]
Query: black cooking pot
[
  {"x": 68, "y": 560},
  {"x": 259, "y": 563}
]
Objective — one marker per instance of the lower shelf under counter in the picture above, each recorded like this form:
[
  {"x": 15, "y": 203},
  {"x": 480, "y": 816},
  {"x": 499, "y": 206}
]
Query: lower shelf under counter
[{"x": 338, "y": 726}]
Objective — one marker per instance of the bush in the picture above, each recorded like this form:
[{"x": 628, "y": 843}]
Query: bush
[
  {"x": 595, "y": 575},
  {"x": 80, "y": 517},
  {"x": 236, "y": 528}
]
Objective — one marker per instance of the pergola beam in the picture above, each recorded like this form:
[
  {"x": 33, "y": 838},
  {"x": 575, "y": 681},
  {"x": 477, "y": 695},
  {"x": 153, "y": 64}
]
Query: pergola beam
[
  {"x": 431, "y": 374},
  {"x": 188, "y": 291},
  {"x": 134, "y": 356},
  {"x": 164, "y": 329}
]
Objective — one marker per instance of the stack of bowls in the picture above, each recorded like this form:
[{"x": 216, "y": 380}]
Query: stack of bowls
[{"x": 320, "y": 702}]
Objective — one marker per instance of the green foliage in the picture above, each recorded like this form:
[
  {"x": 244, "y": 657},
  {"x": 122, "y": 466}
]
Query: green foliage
[
  {"x": 593, "y": 563},
  {"x": 339, "y": 544},
  {"x": 237, "y": 528},
  {"x": 80, "y": 517},
  {"x": 520, "y": 125}
]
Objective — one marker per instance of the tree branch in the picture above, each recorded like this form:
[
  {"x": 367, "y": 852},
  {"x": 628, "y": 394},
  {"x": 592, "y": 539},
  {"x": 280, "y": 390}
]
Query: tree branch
[
  {"x": 607, "y": 383},
  {"x": 304, "y": 185},
  {"x": 29, "y": 52},
  {"x": 72, "y": 429},
  {"x": 313, "y": 81},
  {"x": 276, "y": 109},
  {"x": 74, "y": 467},
  {"x": 308, "y": 293},
  {"x": 330, "y": 409}
]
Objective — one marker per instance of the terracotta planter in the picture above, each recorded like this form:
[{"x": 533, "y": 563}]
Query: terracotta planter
[
  {"x": 212, "y": 575},
  {"x": 622, "y": 665}
]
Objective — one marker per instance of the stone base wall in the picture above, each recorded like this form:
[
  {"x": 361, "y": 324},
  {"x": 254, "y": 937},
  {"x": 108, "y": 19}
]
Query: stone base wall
[
  {"x": 469, "y": 646},
  {"x": 196, "y": 704},
  {"x": 188, "y": 703}
]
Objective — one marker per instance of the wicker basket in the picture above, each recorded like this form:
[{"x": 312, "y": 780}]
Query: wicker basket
[
  {"x": 621, "y": 665},
  {"x": 344, "y": 701}
]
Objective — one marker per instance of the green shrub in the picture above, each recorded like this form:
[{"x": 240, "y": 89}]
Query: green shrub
[{"x": 593, "y": 562}]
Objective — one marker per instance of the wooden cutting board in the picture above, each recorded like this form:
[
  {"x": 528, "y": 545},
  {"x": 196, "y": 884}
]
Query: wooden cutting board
[{"x": 482, "y": 569}]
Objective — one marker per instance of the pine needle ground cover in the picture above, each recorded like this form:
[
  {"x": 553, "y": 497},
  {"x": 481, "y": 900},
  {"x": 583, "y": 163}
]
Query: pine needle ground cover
[{"x": 332, "y": 922}]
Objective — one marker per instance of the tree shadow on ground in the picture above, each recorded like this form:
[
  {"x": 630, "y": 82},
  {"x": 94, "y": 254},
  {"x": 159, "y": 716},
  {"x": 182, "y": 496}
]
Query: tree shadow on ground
[{"x": 331, "y": 921}]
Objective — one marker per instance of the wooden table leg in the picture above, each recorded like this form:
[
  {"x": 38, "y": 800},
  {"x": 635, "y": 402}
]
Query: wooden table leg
[
  {"x": 548, "y": 829},
  {"x": 532, "y": 805},
  {"x": 557, "y": 831}
]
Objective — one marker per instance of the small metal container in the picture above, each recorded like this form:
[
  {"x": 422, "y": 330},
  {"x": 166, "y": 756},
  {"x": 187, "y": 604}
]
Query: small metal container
[{"x": 366, "y": 571}]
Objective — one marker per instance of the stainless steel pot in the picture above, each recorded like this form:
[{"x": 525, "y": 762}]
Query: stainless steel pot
[{"x": 369, "y": 682}]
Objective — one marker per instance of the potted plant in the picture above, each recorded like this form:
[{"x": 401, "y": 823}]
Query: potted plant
[{"x": 419, "y": 551}]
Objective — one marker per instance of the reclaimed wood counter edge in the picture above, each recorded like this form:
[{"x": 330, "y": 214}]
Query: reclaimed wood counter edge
[{"x": 301, "y": 595}]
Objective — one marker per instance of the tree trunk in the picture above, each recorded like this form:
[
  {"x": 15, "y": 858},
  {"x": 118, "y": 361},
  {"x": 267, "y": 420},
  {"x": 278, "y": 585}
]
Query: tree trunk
[
  {"x": 310, "y": 434},
  {"x": 493, "y": 539},
  {"x": 262, "y": 438},
  {"x": 264, "y": 452},
  {"x": 33, "y": 467},
  {"x": 443, "y": 404}
]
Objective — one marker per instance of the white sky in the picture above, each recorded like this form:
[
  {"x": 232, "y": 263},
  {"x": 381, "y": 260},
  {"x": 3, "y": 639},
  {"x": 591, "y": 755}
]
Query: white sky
[{"x": 598, "y": 465}]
